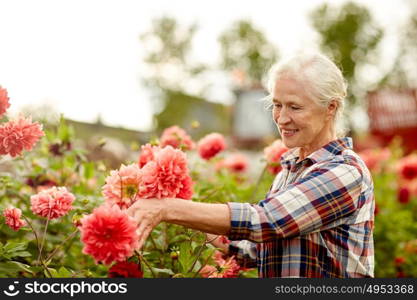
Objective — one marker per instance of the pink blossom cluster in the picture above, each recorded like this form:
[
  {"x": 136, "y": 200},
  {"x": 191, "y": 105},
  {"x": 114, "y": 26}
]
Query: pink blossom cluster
[
  {"x": 52, "y": 203},
  {"x": 4, "y": 101},
  {"x": 210, "y": 145},
  {"x": 273, "y": 155},
  {"x": 17, "y": 135},
  {"x": 236, "y": 162},
  {"x": 122, "y": 186},
  {"x": 225, "y": 267},
  {"x": 159, "y": 173},
  {"x": 375, "y": 158},
  {"x": 177, "y": 138},
  {"x": 13, "y": 218}
]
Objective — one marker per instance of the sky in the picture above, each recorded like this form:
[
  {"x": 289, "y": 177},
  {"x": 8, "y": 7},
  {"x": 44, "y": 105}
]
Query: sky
[{"x": 83, "y": 58}]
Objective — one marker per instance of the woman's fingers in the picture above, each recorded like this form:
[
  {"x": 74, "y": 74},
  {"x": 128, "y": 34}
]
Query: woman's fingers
[{"x": 144, "y": 236}]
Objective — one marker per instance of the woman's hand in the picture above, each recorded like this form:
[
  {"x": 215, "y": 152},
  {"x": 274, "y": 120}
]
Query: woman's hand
[
  {"x": 148, "y": 213},
  {"x": 216, "y": 241},
  {"x": 205, "y": 217}
]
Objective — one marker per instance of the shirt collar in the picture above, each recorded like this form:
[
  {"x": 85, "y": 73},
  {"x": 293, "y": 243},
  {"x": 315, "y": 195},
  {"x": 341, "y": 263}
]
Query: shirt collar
[{"x": 331, "y": 149}]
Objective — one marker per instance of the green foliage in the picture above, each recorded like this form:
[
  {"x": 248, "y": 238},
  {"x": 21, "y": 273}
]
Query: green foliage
[
  {"x": 349, "y": 35},
  {"x": 182, "y": 109},
  {"x": 168, "y": 47},
  {"x": 171, "y": 251},
  {"x": 402, "y": 74},
  {"x": 245, "y": 48}
]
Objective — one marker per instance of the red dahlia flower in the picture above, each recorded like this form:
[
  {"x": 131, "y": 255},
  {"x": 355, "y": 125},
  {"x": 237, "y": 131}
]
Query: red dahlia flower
[
  {"x": 125, "y": 269},
  {"x": 404, "y": 195},
  {"x": 407, "y": 167},
  {"x": 109, "y": 234},
  {"x": 210, "y": 145}
]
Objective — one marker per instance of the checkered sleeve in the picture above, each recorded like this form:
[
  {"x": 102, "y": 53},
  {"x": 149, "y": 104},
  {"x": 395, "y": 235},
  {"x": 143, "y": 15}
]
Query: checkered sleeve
[
  {"x": 324, "y": 195},
  {"x": 244, "y": 252}
]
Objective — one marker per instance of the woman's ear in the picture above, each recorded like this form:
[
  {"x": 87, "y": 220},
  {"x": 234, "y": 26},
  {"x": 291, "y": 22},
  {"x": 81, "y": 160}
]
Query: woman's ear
[{"x": 332, "y": 108}]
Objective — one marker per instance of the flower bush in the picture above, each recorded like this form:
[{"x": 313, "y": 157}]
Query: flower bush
[{"x": 63, "y": 215}]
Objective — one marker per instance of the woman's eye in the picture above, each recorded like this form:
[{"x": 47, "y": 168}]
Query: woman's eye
[{"x": 295, "y": 107}]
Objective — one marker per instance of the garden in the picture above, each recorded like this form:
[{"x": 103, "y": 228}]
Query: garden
[{"x": 64, "y": 215}]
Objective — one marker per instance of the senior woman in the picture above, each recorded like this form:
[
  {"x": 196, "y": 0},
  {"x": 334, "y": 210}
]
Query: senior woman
[{"x": 317, "y": 218}]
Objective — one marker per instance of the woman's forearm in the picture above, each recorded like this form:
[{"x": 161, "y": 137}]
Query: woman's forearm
[{"x": 206, "y": 217}]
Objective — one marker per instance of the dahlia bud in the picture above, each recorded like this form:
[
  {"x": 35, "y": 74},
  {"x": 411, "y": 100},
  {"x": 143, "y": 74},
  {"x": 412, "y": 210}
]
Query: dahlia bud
[{"x": 174, "y": 255}]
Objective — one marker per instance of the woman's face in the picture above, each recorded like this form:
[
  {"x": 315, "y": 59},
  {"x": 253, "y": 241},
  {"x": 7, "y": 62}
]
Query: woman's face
[{"x": 300, "y": 121}]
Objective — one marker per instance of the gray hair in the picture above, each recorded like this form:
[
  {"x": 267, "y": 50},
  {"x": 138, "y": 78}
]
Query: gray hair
[{"x": 324, "y": 80}]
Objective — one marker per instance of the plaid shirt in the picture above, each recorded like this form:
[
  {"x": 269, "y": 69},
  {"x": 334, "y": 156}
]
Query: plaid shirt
[{"x": 316, "y": 220}]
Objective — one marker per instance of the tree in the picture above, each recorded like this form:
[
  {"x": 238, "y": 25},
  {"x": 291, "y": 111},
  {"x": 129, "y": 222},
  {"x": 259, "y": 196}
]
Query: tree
[
  {"x": 168, "y": 47},
  {"x": 245, "y": 49},
  {"x": 402, "y": 74},
  {"x": 350, "y": 36}
]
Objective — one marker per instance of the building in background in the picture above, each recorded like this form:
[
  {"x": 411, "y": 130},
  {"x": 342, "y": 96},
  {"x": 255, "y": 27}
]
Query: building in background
[{"x": 393, "y": 113}]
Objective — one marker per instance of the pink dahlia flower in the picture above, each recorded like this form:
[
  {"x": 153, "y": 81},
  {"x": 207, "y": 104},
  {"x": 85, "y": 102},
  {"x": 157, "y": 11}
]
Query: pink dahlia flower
[
  {"x": 166, "y": 176},
  {"x": 177, "y": 138},
  {"x": 13, "y": 219},
  {"x": 210, "y": 145},
  {"x": 109, "y": 234},
  {"x": 122, "y": 186},
  {"x": 273, "y": 155},
  {"x": 225, "y": 268},
  {"x": 375, "y": 158},
  {"x": 4, "y": 101},
  {"x": 52, "y": 203},
  {"x": 236, "y": 162},
  {"x": 147, "y": 154},
  {"x": 18, "y": 135}
]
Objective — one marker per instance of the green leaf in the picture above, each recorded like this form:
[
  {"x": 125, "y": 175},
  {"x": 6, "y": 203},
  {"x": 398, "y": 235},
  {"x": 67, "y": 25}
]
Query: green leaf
[
  {"x": 13, "y": 267},
  {"x": 163, "y": 271},
  {"x": 64, "y": 273},
  {"x": 12, "y": 246},
  {"x": 22, "y": 254},
  {"x": 185, "y": 258},
  {"x": 88, "y": 170},
  {"x": 52, "y": 272}
]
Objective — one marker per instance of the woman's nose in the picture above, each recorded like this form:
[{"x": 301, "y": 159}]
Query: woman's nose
[{"x": 283, "y": 117}]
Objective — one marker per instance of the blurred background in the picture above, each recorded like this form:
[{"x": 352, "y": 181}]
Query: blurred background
[
  {"x": 120, "y": 72},
  {"x": 140, "y": 67}
]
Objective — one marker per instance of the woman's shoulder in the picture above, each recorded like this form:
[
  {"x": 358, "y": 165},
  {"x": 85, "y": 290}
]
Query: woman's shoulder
[{"x": 349, "y": 160}]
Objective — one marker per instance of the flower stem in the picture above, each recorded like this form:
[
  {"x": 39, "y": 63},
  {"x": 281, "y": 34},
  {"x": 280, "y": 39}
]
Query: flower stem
[
  {"x": 63, "y": 242},
  {"x": 44, "y": 236},
  {"x": 145, "y": 262},
  {"x": 202, "y": 266},
  {"x": 34, "y": 231},
  {"x": 200, "y": 251},
  {"x": 37, "y": 244}
]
